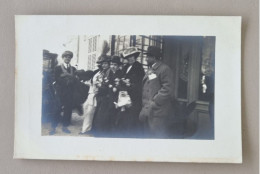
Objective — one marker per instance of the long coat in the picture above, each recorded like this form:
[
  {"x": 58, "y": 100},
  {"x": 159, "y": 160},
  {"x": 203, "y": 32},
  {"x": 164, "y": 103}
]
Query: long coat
[
  {"x": 135, "y": 74},
  {"x": 65, "y": 81},
  {"x": 101, "y": 121},
  {"x": 128, "y": 122},
  {"x": 157, "y": 95},
  {"x": 65, "y": 84}
]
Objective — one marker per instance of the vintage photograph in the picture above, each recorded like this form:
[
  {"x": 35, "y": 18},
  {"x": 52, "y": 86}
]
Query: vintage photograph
[{"x": 129, "y": 86}]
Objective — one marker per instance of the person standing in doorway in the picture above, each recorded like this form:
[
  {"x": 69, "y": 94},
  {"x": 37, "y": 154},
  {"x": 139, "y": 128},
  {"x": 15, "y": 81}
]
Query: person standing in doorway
[{"x": 156, "y": 95}]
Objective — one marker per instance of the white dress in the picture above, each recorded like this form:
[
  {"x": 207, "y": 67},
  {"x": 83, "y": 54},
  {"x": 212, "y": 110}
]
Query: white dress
[{"x": 89, "y": 106}]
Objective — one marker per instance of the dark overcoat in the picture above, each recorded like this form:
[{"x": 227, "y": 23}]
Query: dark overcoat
[
  {"x": 101, "y": 121},
  {"x": 157, "y": 92},
  {"x": 128, "y": 122},
  {"x": 64, "y": 84},
  {"x": 135, "y": 74}
]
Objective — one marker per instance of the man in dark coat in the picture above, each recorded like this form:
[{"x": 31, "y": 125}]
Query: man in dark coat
[
  {"x": 157, "y": 95},
  {"x": 129, "y": 124},
  {"x": 65, "y": 80}
]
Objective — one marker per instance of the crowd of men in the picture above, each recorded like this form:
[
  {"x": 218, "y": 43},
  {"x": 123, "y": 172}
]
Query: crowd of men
[{"x": 123, "y": 100}]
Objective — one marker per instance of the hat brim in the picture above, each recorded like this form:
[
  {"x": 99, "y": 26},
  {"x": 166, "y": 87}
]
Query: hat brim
[
  {"x": 134, "y": 54},
  {"x": 119, "y": 63},
  {"x": 149, "y": 54},
  {"x": 104, "y": 59},
  {"x": 146, "y": 53}
]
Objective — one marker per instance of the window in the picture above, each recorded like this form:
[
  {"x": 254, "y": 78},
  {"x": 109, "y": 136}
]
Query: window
[
  {"x": 89, "y": 62},
  {"x": 90, "y": 45},
  {"x": 93, "y": 61},
  {"x": 95, "y": 43},
  {"x": 121, "y": 43},
  {"x": 142, "y": 42},
  {"x": 207, "y": 75},
  {"x": 92, "y": 48}
]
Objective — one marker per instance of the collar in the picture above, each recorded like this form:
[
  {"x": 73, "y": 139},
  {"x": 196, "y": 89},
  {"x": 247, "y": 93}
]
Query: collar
[
  {"x": 129, "y": 68},
  {"x": 156, "y": 65},
  {"x": 66, "y": 65}
]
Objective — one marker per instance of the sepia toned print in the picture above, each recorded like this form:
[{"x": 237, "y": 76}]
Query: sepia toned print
[{"x": 130, "y": 86}]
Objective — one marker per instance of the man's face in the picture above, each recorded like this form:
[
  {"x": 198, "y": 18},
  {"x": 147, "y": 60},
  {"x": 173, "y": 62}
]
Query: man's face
[
  {"x": 131, "y": 60},
  {"x": 105, "y": 65},
  {"x": 150, "y": 60},
  {"x": 67, "y": 59},
  {"x": 114, "y": 66}
]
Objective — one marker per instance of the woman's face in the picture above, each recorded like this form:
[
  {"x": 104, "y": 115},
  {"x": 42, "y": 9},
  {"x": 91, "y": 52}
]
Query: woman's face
[
  {"x": 114, "y": 66},
  {"x": 131, "y": 60},
  {"x": 105, "y": 65},
  {"x": 125, "y": 62}
]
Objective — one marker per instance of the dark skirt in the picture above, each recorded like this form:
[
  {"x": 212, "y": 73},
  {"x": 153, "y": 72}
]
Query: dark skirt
[
  {"x": 128, "y": 124},
  {"x": 102, "y": 117}
]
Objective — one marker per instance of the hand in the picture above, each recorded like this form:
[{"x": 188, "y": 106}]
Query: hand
[{"x": 145, "y": 112}]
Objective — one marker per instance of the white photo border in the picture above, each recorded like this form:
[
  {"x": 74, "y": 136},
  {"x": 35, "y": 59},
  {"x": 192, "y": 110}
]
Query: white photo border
[{"x": 29, "y": 144}]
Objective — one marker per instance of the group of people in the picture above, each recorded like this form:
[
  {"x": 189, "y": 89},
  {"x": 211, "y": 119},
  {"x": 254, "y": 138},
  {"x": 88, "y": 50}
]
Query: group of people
[{"x": 123, "y": 100}]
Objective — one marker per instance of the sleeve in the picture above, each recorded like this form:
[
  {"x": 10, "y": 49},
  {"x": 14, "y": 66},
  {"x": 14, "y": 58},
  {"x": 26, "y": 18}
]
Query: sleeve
[
  {"x": 57, "y": 74},
  {"x": 136, "y": 79},
  {"x": 165, "y": 92}
]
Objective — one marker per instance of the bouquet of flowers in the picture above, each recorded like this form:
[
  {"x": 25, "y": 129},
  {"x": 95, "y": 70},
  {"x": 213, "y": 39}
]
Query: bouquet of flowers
[
  {"x": 98, "y": 82},
  {"x": 120, "y": 86}
]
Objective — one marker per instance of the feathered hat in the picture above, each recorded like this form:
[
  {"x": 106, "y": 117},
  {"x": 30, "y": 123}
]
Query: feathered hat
[{"x": 104, "y": 57}]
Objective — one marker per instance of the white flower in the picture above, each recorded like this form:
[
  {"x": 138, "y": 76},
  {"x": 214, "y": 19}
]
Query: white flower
[{"x": 114, "y": 89}]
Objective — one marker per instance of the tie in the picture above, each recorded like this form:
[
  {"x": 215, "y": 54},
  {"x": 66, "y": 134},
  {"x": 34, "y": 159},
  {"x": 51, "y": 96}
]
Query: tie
[{"x": 68, "y": 68}]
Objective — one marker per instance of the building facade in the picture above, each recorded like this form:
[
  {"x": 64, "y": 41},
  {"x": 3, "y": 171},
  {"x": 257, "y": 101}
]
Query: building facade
[{"x": 191, "y": 58}]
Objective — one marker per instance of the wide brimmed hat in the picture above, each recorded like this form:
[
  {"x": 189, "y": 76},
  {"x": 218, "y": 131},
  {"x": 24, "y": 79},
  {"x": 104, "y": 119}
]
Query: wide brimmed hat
[
  {"x": 67, "y": 53},
  {"x": 116, "y": 59},
  {"x": 131, "y": 51},
  {"x": 153, "y": 51}
]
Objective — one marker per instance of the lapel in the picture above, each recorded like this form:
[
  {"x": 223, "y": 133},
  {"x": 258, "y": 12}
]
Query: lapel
[
  {"x": 154, "y": 68},
  {"x": 68, "y": 70},
  {"x": 145, "y": 76},
  {"x": 156, "y": 65},
  {"x": 132, "y": 68}
]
